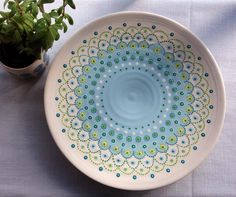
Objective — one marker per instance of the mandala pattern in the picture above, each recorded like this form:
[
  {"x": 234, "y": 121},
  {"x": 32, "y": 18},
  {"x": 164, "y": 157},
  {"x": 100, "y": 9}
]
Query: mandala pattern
[{"x": 177, "y": 119}]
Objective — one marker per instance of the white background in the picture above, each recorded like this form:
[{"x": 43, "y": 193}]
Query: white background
[{"x": 32, "y": 165}]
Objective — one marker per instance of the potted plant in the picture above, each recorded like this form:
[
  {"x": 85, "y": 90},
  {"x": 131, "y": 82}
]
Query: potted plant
[{"x": 27, "y": 31}]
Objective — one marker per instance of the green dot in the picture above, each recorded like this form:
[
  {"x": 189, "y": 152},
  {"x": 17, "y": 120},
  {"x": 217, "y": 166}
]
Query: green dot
[
  {"x": 162, "y": 129},
  {"x": 129, "y": 139},
  {"x": 111, "y": 132},
  {"x": 146, "y": 138},
  {"x": 98, "y": 118},
  {"x": 138, "y": 139}
]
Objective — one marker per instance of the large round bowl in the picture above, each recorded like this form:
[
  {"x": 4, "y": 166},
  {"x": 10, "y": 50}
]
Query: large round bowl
[{"x": 135, "y": 100}]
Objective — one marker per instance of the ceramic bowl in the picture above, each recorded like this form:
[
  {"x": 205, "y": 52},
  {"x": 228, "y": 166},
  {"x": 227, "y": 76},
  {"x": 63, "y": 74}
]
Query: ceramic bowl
[{"x": 135, "y": 100}]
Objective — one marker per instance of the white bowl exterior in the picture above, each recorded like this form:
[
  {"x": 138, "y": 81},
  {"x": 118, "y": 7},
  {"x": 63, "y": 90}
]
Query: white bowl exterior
[{"x": 194, "y": 159}]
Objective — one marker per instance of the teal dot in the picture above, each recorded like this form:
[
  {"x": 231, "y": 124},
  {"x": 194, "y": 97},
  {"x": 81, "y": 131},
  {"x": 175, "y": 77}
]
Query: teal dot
[
  {"x": 118, "y": 174},
  {"x": 111, "y": 132},
  {"x": 152, "y": 175},
  {"x": 57, "y": 115},
  {"x": 168, "y": 170},
  {"x": 59, "y": 80},
  {"x": 63, "y": 130},
  {"x": 195, "y": 148},
  {"x": 64, "y": 65},
  {"x": 154, "y": 135},
  {"x": 109, "y": 64},
  {"x": 120, "y": 137},
  {"x": 100, "y": 168},
  {"x": 203, "y": 134},
  {"x": 85, "y": 157},
  {"x": 97, "y": 75},
  {"x": 134, "y": 177},
  {"x": 72, "y": 146}
]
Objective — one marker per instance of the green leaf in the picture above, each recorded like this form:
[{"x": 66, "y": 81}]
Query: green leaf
[
  {"x": 47, "y": 17},
  {"x": 70, "y": 3},
  {"x": 59, "y": 10},
  {"x": 69, "y": 18},
  {"x": 4, "y": 14},
  {"x": 35, "y": 10},
  {"x": 64, "y": 27},
  {"x": 53, "y": 14},
  {"x": 46, "y": 1},
  {"x": 5, "y": 3}
]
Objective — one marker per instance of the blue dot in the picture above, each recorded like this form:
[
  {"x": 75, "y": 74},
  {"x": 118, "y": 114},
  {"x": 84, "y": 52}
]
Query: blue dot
[
  {"x": 168, "y": 170},
  {"x": 182, "y": 161},
  {"x": 152, "y": 175},
  {"x": 206, "y": 74},
  {"x": 64, "y": 65},
  {"x": 85, "y": 157},
  {"x": 118, "y": 174},
  {"x": 134, "y": 177},
  {"x": 208, "y": 121}
]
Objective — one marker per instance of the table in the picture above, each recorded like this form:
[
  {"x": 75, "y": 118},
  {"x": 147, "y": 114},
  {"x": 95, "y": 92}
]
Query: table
[{"x": 32, "y": 165}]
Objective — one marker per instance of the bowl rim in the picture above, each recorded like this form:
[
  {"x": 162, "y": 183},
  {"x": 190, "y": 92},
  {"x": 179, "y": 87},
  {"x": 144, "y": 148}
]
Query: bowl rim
[{"x": 220, "y": 119}]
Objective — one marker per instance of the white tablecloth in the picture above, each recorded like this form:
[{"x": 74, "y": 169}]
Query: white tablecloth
[{"x": 32, "y": 165}]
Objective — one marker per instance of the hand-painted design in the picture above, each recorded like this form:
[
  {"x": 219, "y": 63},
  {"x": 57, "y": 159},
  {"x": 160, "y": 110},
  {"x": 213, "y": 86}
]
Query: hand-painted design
[{"x": 176, "y": 80}]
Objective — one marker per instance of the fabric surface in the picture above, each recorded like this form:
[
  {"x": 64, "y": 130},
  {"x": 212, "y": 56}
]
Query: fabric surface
[{"x": 32, "y": 165}]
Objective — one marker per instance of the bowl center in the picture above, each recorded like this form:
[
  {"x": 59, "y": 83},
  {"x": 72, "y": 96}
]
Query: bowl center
[{"x": 132, "y": 98}]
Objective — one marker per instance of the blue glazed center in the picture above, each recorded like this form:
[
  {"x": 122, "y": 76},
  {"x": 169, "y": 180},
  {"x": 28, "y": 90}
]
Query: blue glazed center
[{"x": 132, "y": 98}]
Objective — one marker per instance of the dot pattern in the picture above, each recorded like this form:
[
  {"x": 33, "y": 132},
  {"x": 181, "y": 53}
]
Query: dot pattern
[{"x": 156, "y": 144}]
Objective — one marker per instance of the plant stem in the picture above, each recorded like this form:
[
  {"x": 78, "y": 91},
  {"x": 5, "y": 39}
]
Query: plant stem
[{"x": 19, "y": 8}]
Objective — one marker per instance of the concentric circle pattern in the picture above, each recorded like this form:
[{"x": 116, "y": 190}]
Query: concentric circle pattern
[{"x": 134, "y": 100}]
